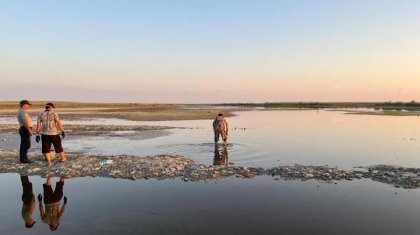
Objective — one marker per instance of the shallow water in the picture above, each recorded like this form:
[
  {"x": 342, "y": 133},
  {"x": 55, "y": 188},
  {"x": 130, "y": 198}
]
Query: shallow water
[
  {"x": 270, "y": 138},
  {"x": 260, "y": 205},
  {"x": 267, "y": 138}
]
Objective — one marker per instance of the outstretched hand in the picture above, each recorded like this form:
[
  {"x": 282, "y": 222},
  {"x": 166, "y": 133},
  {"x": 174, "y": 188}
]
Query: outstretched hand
[{"x": 39, "y": 198}]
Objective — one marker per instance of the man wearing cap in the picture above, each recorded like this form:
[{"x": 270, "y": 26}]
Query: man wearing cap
[
  {"x": 47, "y": 124},
  {"x": 25, "y": 131}
]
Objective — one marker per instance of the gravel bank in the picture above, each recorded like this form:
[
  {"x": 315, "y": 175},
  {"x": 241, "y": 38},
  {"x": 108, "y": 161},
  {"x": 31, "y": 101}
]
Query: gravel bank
[{"x": 178, "y": 167}]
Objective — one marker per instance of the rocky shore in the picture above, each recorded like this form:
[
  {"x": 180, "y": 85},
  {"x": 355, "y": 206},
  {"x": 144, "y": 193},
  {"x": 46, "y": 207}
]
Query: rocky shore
[{"x": 178, "y": 167}]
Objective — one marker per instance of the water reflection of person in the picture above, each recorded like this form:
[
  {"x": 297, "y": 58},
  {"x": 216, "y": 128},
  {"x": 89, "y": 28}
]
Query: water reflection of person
[
  {"x": 28, "y": 200},
  {"x": 52, "y": 214},
  {"x": 220, "y": 157}
]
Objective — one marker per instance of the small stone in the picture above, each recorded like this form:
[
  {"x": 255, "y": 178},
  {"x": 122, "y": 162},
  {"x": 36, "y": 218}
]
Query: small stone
[{"x": 309, "y": 176}]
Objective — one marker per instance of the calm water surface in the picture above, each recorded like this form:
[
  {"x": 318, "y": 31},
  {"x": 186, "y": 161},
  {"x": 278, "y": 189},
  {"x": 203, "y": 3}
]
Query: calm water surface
[
  {"x": 268, "y": 138},
  {"x": 239, "y": 206},
  {"x": 229, "y": 206}
]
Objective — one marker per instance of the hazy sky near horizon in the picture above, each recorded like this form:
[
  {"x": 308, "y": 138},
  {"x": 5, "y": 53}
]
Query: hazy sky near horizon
[{"x": 210, "y": 50}]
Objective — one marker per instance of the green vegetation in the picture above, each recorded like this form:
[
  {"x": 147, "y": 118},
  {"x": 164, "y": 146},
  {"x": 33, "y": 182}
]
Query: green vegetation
[
  {"x": 169, "y": 112},
  {"x": 398, "y": 106},
  {"x": 386, "y": 113},
  {"x": 80, "y": 105},
  {"x": 128, "y": 111},
  {"x": 302, "y": 105},
  {"x": 151, "y": 115}
]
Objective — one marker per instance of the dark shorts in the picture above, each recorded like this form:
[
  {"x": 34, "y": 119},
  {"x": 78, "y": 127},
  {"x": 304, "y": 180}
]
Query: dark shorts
[
  {"x": 51, "y": 196},
  {"x": 55, "y": 140}
]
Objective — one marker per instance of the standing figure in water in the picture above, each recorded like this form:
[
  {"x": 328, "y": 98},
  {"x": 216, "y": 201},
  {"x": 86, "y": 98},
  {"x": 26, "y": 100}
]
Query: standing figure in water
[
  {"x": 52, "y": 214},
  {"x": 220, "y": 128}
]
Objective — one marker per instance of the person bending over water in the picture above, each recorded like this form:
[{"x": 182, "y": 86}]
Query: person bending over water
[
  {"x": 52, "y": 214},
  {"x": 220, "y": 128},
  {"x": 47, "y": 124},
  {"x": 28, "y": 200}
]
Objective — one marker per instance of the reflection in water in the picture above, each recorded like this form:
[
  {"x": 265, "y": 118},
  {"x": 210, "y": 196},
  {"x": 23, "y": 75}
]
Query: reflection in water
[
  {"x": 28, "y": 200},
  {"x": 52, "y": 214},
  {"x": 220, "y": 157}
]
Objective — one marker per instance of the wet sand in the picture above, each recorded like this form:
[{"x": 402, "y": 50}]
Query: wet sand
[{"x": 94, "y": 130}]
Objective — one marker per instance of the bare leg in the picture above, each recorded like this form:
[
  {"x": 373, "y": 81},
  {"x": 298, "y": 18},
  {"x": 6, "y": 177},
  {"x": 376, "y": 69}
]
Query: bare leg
[
  {"x": 63, "y": 157},
  {"x": 52, "y": 156},
  {"x": 48, "y": 158},
  {"x": 48, "y": 181}
]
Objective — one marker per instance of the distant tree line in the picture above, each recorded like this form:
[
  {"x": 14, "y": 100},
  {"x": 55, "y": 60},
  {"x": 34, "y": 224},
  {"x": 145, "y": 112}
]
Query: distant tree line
[
  {"x": 413, "y": 105},
  {"x": 399, "y": 106}
]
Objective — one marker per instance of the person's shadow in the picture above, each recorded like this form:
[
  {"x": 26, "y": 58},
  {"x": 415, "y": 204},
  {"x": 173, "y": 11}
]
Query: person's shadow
[
  {"x": 52, "y": 214},
  {"x": 220, "y": 157},
  {"x": 28, "y": 199}
]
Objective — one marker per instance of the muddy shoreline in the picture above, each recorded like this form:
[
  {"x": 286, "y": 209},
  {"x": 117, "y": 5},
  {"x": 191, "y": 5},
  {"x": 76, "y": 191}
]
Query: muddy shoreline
[
  {"x": 95, "y": 130},
  {"x": 179, "y": 167}
]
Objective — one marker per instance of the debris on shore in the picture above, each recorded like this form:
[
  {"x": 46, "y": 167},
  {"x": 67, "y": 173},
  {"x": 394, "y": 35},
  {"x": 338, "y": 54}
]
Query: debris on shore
[
  {"x": 178, "y": 167},
  {"x": 398, "y": 176}
]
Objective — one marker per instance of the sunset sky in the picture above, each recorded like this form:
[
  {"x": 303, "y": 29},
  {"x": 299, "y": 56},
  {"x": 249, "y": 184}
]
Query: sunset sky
[{"x": 210, "y": 50}]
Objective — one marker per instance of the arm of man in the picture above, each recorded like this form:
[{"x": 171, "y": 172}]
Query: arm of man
[
  {"x": 62, "y": 210},
  {"x": 38, "y": 125},
  {"x": 26, "y": 123},
  {"x": 59, "y": 123},
  {"x": 38, "y": 128},
  {"x": 41, "y": 210}
]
